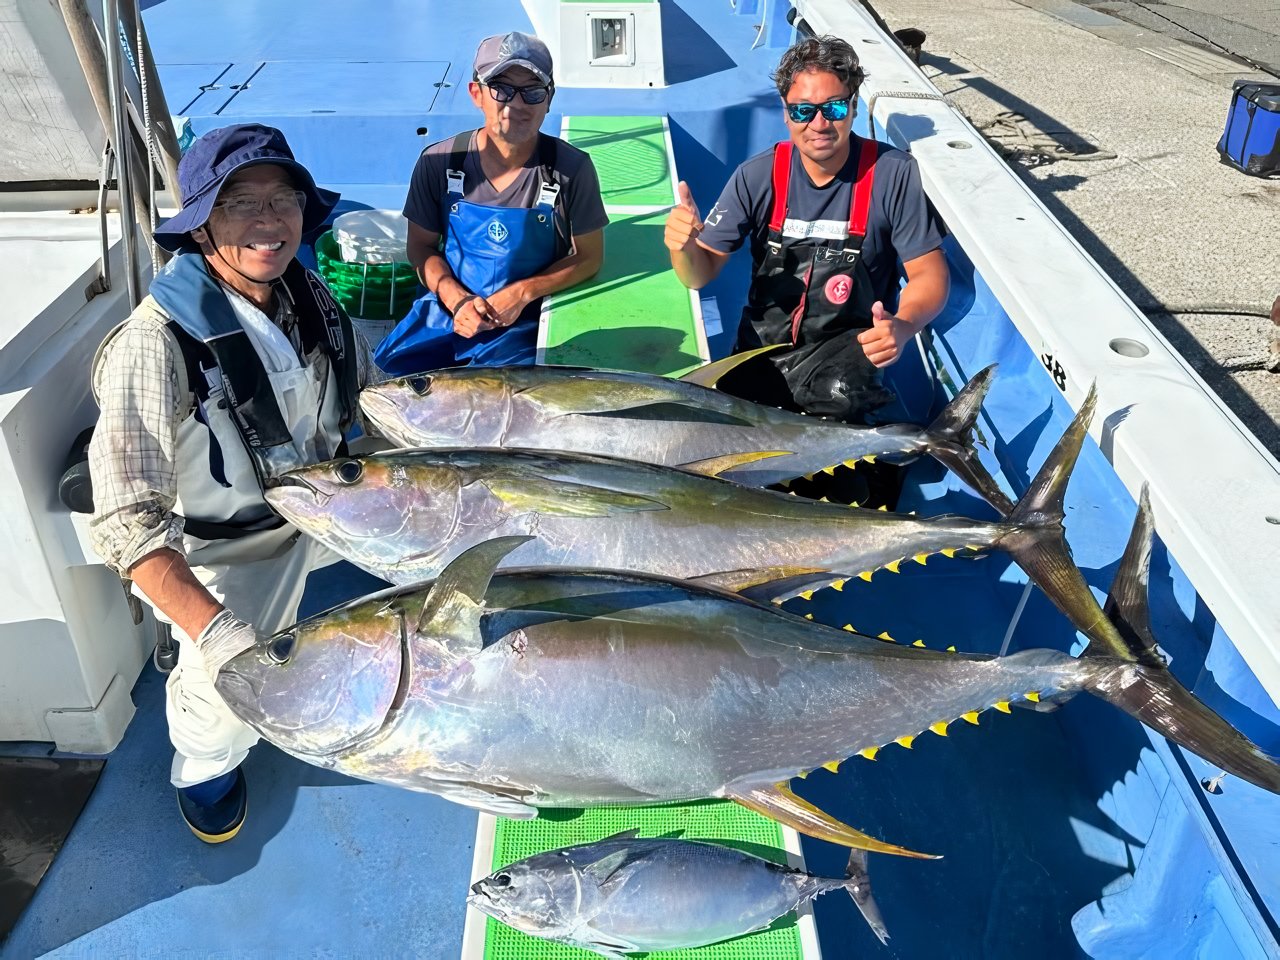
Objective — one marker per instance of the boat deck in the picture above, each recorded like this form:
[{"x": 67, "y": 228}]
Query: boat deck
[{"x": 1063, "y": 834}]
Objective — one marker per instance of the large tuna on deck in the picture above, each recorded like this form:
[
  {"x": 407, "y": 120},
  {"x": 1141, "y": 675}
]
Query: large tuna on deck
[
  {"x": 654, "y": 419},
  {"x": 544, "y": 688},
  {"x": 403, "y": 515}
]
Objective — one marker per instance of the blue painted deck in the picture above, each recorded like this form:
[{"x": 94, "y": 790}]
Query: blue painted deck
[{"x": 1066, "y": 834}]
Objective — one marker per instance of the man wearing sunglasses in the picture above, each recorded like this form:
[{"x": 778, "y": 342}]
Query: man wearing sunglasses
[
  {"x": 499, "y": 217},
  {"x": 829, "y": 217}
]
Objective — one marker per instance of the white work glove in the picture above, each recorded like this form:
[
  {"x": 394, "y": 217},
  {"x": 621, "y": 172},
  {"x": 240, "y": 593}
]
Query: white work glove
[{"x": 224, "y": 639}]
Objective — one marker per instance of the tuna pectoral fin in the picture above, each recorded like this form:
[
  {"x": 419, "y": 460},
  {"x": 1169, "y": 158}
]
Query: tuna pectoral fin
[
  {"x": 714, "y": 466},
  {"x": 553, "y": 498},
  {"x": 709, "y": 374},
  {"x": 777, "y": 802},
  {"x": 948, "y": 440},
  {"x": 451, "y": 614},
  {"x": 858, "y": 884}
]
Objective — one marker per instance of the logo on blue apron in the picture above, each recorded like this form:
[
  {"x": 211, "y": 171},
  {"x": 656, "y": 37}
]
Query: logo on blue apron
[{"x": 497, "y": 232}]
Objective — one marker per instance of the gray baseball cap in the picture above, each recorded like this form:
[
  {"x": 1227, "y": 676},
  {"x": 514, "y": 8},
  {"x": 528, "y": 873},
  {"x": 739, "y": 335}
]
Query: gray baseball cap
[{"x": 513, "y": 49}]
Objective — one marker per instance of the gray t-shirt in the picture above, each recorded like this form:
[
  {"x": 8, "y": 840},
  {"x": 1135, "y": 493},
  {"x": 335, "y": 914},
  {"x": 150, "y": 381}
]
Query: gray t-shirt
[
  {"x": 901, "y": 226},
  {"x": 580, "y": 201}
]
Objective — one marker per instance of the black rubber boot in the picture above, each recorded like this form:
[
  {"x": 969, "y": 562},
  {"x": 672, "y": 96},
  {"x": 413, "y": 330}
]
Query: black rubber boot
[{"x": 219, "y": 820}]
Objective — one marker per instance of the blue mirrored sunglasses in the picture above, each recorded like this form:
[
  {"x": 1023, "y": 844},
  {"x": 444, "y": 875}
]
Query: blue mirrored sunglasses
[
  {"x": 832, "y": 110},
  {"x": 506, "y": 92}
]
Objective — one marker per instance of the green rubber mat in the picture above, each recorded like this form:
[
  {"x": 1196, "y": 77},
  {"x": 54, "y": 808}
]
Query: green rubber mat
[
  {"x": 708, "y": 820},
  {"x": 630, "y": 156},
  {"x": 633, "y": 315}
]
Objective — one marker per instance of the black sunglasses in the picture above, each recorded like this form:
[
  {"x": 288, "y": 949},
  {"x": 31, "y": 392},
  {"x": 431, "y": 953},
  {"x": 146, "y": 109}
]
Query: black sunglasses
[
  {"x": 832, "y": 110},
  {"x": 506, "y": 92}
]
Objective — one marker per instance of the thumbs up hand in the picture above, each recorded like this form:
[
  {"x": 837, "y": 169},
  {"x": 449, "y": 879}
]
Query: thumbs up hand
[
  {"x": 683, "y": 222},
  {"x": 883, "y": 342}
]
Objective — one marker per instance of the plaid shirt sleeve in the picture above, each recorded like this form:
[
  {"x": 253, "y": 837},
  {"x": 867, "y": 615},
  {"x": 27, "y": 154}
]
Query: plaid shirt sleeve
[{"x": 141, "y": 386}]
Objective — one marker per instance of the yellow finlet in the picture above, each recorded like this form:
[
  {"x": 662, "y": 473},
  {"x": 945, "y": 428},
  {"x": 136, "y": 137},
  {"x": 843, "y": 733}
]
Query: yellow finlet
[
  {"x": 869, "y": 752},
  {"x": 884, "y": 635},
  {"x": 823, "y": 500},
  {"x": 870, "y": 459},
  {"x": 920, "y": 558},
  {"x": 833, "y": 766},
  {"x": 851, "y": 464},
  {"x": 802, "y": 774},
  {"x": 808, "y": 476},
  {"x": 808, "y": 616},
  {"x": 892, "y": 566},
  {"x": 1033, "y": 696},
  {"x": 865, "y": 575},
  {"x": 829, "y": 471},
  {"x": 971, "y": 717},
  {"x": 837, "y": 585},
  {"x": 849, "y": 627},
  {"x": 883, "y": 508},
  {"x": 949, "y": 552},
  {"x": 905, "y": 741},
  {"x": 806, "y": 594},
  {"x": 940, "y": 728},
  {"x": 973, "y": 547},
  {"x": 918, "y": 643},
  {"x": 951, "y": 649},
  {"x": 1002, "y": 706}
]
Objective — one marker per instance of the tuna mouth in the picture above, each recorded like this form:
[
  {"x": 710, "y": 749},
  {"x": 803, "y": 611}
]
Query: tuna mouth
[{"x": 279, "y": 489}]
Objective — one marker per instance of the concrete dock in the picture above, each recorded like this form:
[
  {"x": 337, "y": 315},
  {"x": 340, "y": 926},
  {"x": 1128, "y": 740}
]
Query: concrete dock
[{"x": 1111, "y": 112}]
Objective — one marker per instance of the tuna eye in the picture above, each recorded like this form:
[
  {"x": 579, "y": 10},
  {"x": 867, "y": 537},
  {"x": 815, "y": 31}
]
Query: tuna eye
[
  {"x": 280, "y": 649},
  {"x": 502, "y": 880},
  {"x": 349, "y": 471},
  {"x": 420, "y": 385}
]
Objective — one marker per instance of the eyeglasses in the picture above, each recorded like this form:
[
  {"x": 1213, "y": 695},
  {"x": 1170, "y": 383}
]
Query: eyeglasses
[
  {"x": 506, "y": 92},
  {"x": 283, "y": 204},
  {"x": 832, "y": 110}
]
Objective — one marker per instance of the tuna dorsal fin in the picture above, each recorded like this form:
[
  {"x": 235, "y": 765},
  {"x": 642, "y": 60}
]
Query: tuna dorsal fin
[
  {"x": 631, "y": 834},
  {"x": 709, "y": 374},
  {"x": 777, "y": 802},
  {"x": 554, "y": 498},
  {"x": 452, "y": 611},
  {"x": 1127, "y": 605},
  {"x": 714, "y": 466}
]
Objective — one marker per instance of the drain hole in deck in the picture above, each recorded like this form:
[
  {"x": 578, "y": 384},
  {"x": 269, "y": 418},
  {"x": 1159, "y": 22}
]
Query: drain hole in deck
[{"x": 1129, "y": 348}]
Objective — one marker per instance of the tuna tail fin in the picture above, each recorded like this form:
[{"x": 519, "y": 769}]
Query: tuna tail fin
[
  {"x": 949, "y": 440},
  {"x": 1144, "y": 687},
  {"x": 858, "y": 884},
  {"x": 1033, "y": 534}
]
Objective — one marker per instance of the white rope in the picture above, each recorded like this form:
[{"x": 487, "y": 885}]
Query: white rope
[{"x": 152, "y": 155}]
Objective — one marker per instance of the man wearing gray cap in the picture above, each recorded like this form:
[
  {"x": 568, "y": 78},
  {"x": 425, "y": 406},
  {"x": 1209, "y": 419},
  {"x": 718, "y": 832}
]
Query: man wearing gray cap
[{"x": 519, "y": 213}]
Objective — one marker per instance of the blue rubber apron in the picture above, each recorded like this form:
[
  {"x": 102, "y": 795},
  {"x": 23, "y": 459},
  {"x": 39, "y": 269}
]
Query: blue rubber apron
[{"x": 487, "y": 248}]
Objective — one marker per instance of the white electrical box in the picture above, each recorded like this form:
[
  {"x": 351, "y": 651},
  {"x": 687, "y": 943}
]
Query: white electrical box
[{"x": 610, "y": 44}]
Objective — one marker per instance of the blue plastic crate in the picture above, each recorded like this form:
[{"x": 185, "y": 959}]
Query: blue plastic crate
[{"x": 1251, "y": 140}]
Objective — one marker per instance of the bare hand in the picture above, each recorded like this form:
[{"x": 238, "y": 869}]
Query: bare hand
[
  {"x": 506, "y": 305},
  {"x": 472, "y": 315},
  {"x": 883, "y": 342},
  {"x": 683, "y": 222}
]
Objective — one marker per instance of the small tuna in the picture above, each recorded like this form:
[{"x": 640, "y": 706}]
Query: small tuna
[
  {"x": 625, "y": 894},
  {"x": 653, "y": 419}
]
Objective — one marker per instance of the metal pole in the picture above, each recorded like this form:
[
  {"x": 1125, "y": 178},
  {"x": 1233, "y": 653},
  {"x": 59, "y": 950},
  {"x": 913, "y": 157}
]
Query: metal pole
[
  {"x": 89, "y": 51},
  {"x": 123, "y": 146},
  {"x": 166, "y": 138}
]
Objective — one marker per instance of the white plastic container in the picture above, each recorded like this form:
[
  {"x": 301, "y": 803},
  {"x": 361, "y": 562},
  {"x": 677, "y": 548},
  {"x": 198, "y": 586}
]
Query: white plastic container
[{"x": 372, "y": 236}]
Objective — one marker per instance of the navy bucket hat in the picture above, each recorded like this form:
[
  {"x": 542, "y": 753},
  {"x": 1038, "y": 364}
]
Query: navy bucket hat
[{"x": 214, "y": 157}]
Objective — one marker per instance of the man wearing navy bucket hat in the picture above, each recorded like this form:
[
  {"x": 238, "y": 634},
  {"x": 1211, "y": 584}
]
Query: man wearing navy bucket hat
[
  {"x": 499, "y": 218},
  {"x": 237, "y": 366}
]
